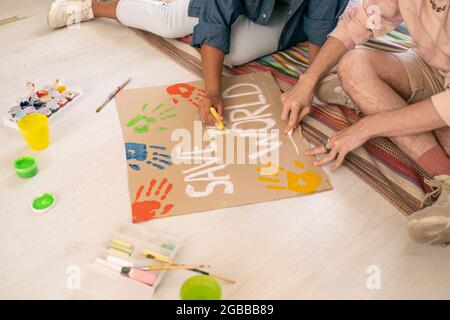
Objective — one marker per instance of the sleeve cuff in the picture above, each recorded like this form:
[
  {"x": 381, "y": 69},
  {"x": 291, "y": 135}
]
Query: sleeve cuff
[
  {"x": 318, "y": 30},
  {"x": 215, "y": 35},
  {"x": 442, "y": 105},
  {"x": 343, "y": 37}
]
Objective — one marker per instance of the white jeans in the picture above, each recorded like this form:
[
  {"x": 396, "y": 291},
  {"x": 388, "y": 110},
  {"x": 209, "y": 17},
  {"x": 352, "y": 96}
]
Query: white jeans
[{"x": 249, "y": 40}]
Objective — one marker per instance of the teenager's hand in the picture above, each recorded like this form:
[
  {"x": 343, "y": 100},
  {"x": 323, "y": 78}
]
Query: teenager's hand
[
  {"x": 341, "y": 143},
  {"x": 297, "y": 103},
  {"x": 204, "y": 109},
  {"x": 212, "y": 62}
]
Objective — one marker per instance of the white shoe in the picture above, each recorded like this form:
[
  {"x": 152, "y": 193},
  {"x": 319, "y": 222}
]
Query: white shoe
[
  {"x": 330, "y": 91},
  {"x": 431, "y": 225},
  {"x": 66, "y": 12}
]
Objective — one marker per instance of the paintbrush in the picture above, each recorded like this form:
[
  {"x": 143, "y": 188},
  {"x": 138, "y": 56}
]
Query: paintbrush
[
  {"x": 112, "y": 95},
  {"x": 213, "y": 275},
  {"x": 126, "y": 270},
  {"x": 176, "y": 267},
  {"x": 166, "y": 267}
]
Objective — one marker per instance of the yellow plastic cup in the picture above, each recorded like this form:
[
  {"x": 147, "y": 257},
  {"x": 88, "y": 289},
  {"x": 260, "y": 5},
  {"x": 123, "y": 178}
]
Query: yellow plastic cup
[{"x": 34, "y": 128}]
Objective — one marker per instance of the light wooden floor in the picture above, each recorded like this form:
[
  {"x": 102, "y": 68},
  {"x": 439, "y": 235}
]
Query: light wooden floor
[{"x": 312, "y": 247}]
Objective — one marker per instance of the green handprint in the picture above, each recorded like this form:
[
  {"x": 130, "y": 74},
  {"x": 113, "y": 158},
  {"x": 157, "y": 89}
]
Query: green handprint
[{"x": 141, "y": 123}]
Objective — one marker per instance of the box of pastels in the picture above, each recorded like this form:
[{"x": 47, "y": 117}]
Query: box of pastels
[
  {"x": 134, "y": 248},
  {"x": 51, "y": 100}
]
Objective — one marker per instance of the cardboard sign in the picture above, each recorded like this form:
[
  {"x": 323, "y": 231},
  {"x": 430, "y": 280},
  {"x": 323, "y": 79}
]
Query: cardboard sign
[{"x": 177, "y": 166}]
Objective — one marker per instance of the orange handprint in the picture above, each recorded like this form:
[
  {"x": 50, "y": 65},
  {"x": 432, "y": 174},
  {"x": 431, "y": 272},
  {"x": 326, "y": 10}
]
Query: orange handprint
[
  {"x": 186, "y": 91},
  {"x": 147, "y": 209},
  {"x": 304, "y": 182}
]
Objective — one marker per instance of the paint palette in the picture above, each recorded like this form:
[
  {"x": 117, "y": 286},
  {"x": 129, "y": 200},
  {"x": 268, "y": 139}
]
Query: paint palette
[
  {"x": 51, "y": 100},
  {"x": 108, "y": 281}
]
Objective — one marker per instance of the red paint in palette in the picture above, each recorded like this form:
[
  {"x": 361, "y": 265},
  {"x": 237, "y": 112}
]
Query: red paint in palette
[{"x": 41, "y": 93}]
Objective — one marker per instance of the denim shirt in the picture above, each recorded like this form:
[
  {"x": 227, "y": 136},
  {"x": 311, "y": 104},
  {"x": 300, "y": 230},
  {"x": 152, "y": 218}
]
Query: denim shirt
[{"x": 309, "y": 20}]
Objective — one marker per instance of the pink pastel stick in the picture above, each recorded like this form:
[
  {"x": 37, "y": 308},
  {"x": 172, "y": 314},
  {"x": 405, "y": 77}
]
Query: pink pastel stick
[{"x": 143, "y": 276}]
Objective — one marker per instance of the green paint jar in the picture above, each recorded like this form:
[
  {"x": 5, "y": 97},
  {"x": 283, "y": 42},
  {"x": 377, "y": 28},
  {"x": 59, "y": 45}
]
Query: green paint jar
[
  {"x": 43, "y": 203},
  {"x": 200, "y": 287},
  {"x": 25, "y": 167}
]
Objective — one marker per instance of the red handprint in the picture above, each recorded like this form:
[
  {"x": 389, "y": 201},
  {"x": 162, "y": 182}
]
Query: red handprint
[
  {"x": 147, "y": 209},
  {"x": 186, "y": 91}
]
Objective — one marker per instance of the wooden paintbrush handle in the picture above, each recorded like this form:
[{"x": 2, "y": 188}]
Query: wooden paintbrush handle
[
  {"x": 206, "y": 273},
  {"x": 222, "y": 278},
  {"x": 174, "y": 267}
]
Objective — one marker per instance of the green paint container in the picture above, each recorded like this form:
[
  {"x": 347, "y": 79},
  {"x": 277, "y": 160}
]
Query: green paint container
[
  {"x": 43, "y": 203},
  {"x": 200, "y": 287},
  {"x": 25, "y": 167}
]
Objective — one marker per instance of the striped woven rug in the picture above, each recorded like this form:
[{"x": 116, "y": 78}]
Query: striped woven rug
[{"x": 379, "y": 163}]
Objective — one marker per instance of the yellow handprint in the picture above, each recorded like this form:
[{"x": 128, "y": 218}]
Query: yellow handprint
[{"x": 300, "y": 182}]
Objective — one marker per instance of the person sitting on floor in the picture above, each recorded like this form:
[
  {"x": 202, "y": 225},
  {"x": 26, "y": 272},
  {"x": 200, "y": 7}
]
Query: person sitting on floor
[
  {"x": 272, "y": 25},
  {"x": 241, "y": 30},
  {"x": 405, "y": 96}
]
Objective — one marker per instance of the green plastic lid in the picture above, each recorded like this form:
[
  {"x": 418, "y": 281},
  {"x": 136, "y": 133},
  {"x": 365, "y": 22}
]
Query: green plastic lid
[
  {"x": 26, "y": 167},
  {"x": 43, "y": 203},
  {"x": 200, "y": 287}
]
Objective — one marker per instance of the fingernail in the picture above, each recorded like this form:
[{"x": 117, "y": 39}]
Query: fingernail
[{"x": 291, "y": 132}]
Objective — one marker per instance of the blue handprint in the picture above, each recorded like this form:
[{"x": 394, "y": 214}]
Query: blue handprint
[
  {"x": 160, "y": 160},
  {"x": 139, "y": 152}
]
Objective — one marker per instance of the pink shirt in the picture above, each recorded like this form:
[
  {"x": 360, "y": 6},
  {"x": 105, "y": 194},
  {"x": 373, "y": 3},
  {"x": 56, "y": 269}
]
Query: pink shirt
[{"x": 429, "y": 29}]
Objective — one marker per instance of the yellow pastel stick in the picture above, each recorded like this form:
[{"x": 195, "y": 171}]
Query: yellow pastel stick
[
  {"x": 157, "y": 256},
  {"x": 116, "y": 246},
  {"x": 118, "y": 252},
  {"x": 220, "y": 125},
  {"x": 122, "y": 243}
]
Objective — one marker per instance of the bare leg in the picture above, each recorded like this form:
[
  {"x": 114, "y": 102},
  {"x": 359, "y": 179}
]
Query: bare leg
[
  {"x": 443, "y": 135},
  {"x": 376, "y": 81},
  {"x": 105, "y": 9}
]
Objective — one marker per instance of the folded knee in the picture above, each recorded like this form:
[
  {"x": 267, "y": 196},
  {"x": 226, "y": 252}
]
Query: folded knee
[
  {"x": 236, "y": 59},
  {"x": 353, "y": 68},
  {"x": 168, "y": 33}
]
